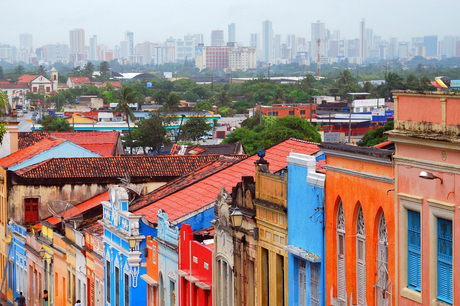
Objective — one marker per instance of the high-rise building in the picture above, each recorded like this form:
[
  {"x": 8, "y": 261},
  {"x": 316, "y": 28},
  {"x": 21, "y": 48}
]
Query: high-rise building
[
  {"x": 277, "y": 46},
  {"x": 457, "y": 49},
  {"x": 198, "y": 39},
  {"x": 169, "y": 50},
  {"x": 403, "y": 50},
  {"x": 129, "y": 36},
  {"x": 431, "y": 44},
  {"x": 25, "y": 42},
  {"x": 158, "y": 54},
  {"x": 449, "y": 45},
  {"x": 362, "y": 39},
  {"x": 292, "y": 44},
  {"x": 267, "y": 41},
  {"x": 77, "y": 41},
  {"x": 92, "y": 54},
  {"x": 217, "y": 38},
  {"x": 254, "y": 41},
  {"x": 393, "y": 48},
  {"x": 57, "y": 53},
  {"x": 124, "y": 49},
  {"x": 317, "y": 33},
  {"x": 231, "y": 33},
  {"x": 146, "y": 53}
]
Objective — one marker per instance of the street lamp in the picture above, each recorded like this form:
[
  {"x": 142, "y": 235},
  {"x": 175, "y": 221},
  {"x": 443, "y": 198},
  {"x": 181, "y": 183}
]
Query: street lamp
[
  {"x": 429, "y": 176},
  {"x": 42, "y": 253},
  {"x": 236, "y": 217},
  {"x": 132, "y": 242}
]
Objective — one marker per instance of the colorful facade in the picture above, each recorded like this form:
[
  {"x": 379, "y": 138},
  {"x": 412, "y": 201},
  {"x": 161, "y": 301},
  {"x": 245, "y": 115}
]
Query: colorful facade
[
  {"x": 427, "y": 166},
  {"x": 359, "y": 225},
  {"x": 306, "y": 243},
  {"x": 195, "y": 269},
  {"x": 271, "y": 215},
  {"x": 151, "y": 277}
]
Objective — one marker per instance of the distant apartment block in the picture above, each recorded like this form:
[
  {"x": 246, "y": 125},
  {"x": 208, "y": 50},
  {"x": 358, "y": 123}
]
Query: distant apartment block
[
  {"x": 283, "y": 110},
  {"x": 231, "y": 32},
  {"x": 217, "y": 38},
  {"x": 231, "y": 56}
]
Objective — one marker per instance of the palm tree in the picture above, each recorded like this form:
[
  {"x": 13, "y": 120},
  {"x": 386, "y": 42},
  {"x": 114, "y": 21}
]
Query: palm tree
[
  {"x": 172, "y": 102},
  {"x": 393, "y": 81},
  {"x": 223, "y": 98},
  {"x": 127, "y": 96},
  {"x": 89, "y": 69},
  {"x": 104, "y": 69},
  {"x": 278, "y": 96}
]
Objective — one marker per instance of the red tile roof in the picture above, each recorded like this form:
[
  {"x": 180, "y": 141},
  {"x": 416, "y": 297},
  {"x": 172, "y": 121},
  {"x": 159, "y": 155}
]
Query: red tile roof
[
  {"x": 222, "y": 149},
  {"x": 116, "y": 84},
  {"x": 102, "y": 143},
  {"x": 29, "y": 152},
  {"x": 8, "y": 85},
  {"x": 184, "y": 181},
  {"x": 95, "y": 227},
  {"x": 203, "y": 192},
  {"x": 27, "y": 78},
  {"x": 79, "y": 79},
  {"x": 109, "y": 167},
  {"x": 81, "y": 208}
]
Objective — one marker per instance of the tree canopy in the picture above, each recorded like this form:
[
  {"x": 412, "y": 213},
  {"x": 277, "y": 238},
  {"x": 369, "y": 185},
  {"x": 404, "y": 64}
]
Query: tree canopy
[
  {"x": 55, "y": 124},
  {"x": 376, "y": 136},
  {"x": 195, "y": 128},
  {"x": 271, "y": 131}
]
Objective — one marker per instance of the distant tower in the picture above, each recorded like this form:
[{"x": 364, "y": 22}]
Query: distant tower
[
  {"x": 362, "y": 39},
  {"x": 129, "y": 36},
  {"x": 231, "y": 33},
  {"x": 318, "y": 31},
  {"x": 217, "y": 38},
  {"x": 54, "y": 75},
  {"x": 267, "y": 41}
]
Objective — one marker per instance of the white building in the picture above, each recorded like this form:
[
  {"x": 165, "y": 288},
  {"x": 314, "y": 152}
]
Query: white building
[
  {"x": 317, "y": 32},
  {"x": 243, "y": 58},
  {"x": 255, "y": 42},
  {"x": 267, "y": 41}
]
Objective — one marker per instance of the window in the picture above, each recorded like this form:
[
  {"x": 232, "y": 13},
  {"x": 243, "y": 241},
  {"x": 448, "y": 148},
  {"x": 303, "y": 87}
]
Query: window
[
  {"x": 341, "y": 281},
  {"x": 302, "y": 284},
  {"x": 31, "y": 210},
  {"x": 107, "y": 277},
  {"x": 291, "y": 113},
  {"x": 302, "y": 112},
  {"x": 117, "y": 286},
  {"x": 361, "y": 258},
  {"x": 314, "y": 285},
  {"x": 173, "y": 293},
  {"x": 383, "y": 284},
  {"x": 265, "y": 265},
  {"x": 126, "y": 290},
  {"x": 445, "y": 260},
  {"x": 414, "y": 251}
]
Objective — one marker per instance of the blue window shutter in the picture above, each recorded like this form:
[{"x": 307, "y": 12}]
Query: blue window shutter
[
  {"x": 414, "y": 260},
  {"x": 445, "y": 260}
]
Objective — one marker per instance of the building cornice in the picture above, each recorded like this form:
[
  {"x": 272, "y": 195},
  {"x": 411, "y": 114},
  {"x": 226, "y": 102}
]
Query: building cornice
[
  {"x": 428, "y": 165},
  {"x": 365, "y": 175},
  {"x": 408, "y": 138},
  {"x": 359, "y": 157}
]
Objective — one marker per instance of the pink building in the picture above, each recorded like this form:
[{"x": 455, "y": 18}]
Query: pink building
[{"x": 427, "y": 161}]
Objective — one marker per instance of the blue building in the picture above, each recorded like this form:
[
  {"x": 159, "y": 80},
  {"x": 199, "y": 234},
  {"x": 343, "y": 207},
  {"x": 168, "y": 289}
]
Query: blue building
[
  {"x": 17, "y": 261},
  {"x": 306, "y": 243},
  {"x": 124, "y": 265},
  {"x": 167, "y": 260}
]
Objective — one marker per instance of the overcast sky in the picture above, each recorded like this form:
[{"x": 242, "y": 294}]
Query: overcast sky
[{"x": 155, "y": 20}]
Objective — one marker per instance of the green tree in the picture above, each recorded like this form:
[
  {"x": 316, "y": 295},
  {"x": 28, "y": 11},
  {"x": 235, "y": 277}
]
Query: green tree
[
  {"x": 19, "y": 70},
  {"x": 172, "y": 102},
  {"x": 104, "y": 69},
  {"x": 55, "y": 124},
  {"x": 376, "y": 136},
  {"x": 3, "y": 106},
  {"x": 393, "y": 81},
  {"x": 203, "y": 105},
  {"x": 223, "y": 98},
  {"x": 126, "y": 96},
  {"x": 151, "y": 133},
  {"x": 190, "y": 96},
  {"x": 194, "y": 129},
  {"x": 89, "y": 69}
]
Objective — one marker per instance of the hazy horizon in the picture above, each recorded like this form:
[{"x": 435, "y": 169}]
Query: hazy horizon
[{"x": 49, "y": 21}]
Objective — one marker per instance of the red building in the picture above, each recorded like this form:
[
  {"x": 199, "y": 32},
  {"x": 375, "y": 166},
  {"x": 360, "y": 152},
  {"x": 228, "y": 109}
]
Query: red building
[
  {"x": 195, "y": 269},
  {"x": 217, "y": 57},
  {"x": 283, "y": 110}
]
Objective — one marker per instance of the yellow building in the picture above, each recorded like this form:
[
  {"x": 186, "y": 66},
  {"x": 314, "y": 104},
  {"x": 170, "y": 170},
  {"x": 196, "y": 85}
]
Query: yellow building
[
  {"x": 271, "y": 216},
  {"x": 79, "y": 118}
]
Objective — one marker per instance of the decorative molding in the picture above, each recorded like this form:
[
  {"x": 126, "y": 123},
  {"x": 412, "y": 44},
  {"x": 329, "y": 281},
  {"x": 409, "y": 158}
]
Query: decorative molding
[
  {"x": 340, "y": 218},
  {"x": 441, "y": 205},
  {"x": 374, "y": 177},
  {"x": 316, "y": 179},
  {"x": 358, "y": 157},
  {"x": 410, "y": 198},
  {"x": 425, "y": 142},
  {"x": 360, "y": 226},
  {"x": 309, "y": 256},
  {"x": 383, "y": 233},
  {"x": 172, "y": 275}
]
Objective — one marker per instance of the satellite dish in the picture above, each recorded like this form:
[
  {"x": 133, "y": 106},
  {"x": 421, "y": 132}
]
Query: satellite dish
[{"x": 65, "y": 211}]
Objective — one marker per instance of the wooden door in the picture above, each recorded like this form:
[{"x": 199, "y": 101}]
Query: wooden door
[{"x": 31, "y": 210}]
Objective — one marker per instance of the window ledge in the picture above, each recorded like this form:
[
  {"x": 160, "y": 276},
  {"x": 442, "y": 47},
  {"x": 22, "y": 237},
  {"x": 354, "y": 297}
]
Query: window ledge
[
  {"x": 411, "y": 295},
  {"x": 437, "y": 302}
]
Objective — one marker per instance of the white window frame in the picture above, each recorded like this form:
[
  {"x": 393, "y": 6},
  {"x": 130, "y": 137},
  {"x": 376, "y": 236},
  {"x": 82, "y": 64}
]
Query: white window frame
[
  {"x": 382, "y": 245},
  {"x": 302, "y": 282},
  {"x": 360, "y": 278},
  {"x": 341, "y": 296},
  {"x": 441, "y": 210},
  {"x": 414, "y": 203}
]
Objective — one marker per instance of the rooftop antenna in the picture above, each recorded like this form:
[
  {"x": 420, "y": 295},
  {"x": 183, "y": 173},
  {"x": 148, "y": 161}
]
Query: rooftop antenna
[
  {"x": 65, "y": 212},
  {"x": 125, "y": 184}
]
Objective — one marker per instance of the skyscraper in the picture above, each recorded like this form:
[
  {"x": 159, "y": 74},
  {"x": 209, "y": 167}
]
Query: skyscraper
[
  {"x": 217, "y": 38},
  {"x": 255, "y": 42},
  {"x": 231, "y": 33},
  {"x": 92, "y": 54},
  {"x": 77, "y": 41},
  {"x": 317, "y": 32},
  {"x": 129, "y": 36},
  {"x": 277, "y": 46},
  {"x": 198, "y": 39},
  {"x": 362, "y": 39},
  {"x": 25, "y": 42},
  {"x": 267, "y": 41},
  {"x": 431, "y": 44}
]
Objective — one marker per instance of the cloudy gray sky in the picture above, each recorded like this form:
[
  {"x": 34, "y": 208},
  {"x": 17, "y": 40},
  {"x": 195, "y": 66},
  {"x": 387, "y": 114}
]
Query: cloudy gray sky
[{"x": 155, "y": 20}]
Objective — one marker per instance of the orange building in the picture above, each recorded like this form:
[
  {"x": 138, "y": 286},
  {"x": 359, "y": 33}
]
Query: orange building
[
  {"x": 151, "y": 277},
  {"x": 283, "y": 110},
  {"x": 359, "y": 225}
]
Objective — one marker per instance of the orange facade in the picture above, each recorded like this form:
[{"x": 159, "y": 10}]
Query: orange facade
[
  {"x": 152, "y": 271},
  {"x": 359, "y": 225},
  {"x": 283, "y": 110}
]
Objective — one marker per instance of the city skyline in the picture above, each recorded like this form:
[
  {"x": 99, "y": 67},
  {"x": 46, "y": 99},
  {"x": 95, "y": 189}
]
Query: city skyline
[{"x": 147, "y": 25}]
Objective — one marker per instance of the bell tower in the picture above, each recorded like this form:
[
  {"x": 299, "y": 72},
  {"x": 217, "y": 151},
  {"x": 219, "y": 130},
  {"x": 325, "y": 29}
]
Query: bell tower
[{"x": 54, "y": 75}]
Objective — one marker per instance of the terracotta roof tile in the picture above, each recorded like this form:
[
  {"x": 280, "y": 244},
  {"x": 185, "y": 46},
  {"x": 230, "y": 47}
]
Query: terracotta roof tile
[
  {"x": 27, "y": 78},
  {"x": 8, "y": 85},
  {"x": 108, "y": 167},
  {"x": 102, "y": 143},
  {"x": 79, "y": 79},
  {"x": 201, "y": 192},
  {"x": 82, "y": 207},
  {"x": 29, "y": 152},
  {"x": 222, "y": 149}
]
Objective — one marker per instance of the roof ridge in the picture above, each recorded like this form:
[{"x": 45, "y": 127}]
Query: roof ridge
[{"x": 189, "y": 174}]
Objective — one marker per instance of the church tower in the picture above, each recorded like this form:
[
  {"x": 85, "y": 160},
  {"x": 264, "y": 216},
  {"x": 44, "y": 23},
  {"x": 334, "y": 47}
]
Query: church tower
[{"x": 54, "y": 75}]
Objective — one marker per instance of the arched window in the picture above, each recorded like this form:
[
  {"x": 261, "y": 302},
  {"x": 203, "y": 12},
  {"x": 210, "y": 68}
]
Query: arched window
[
  {"x": 361, "y": 258},
  {"x": 341, "y": 280},
  {"x": 383, "y": 287}
]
